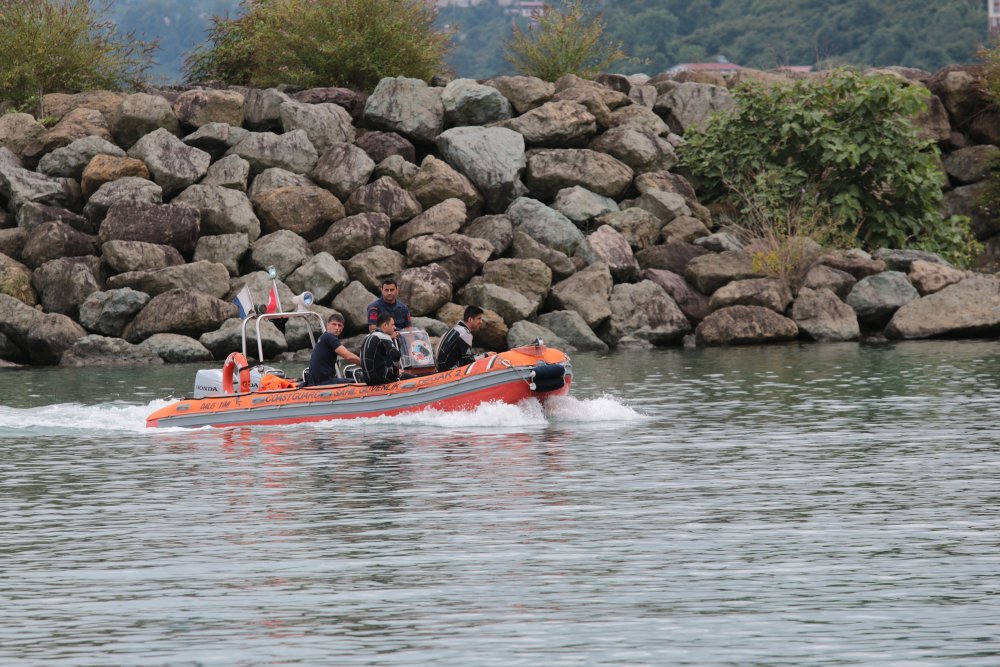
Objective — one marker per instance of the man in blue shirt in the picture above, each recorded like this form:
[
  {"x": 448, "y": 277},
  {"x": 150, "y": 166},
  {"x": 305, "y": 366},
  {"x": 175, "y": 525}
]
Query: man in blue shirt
[
  {"x": 323, "y": 362},
  {"x": 389, "y": 305}
]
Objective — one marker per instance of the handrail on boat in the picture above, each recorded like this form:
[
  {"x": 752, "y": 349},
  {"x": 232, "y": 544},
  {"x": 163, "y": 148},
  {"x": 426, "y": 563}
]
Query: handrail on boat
[{"x": 258, "y": 318}]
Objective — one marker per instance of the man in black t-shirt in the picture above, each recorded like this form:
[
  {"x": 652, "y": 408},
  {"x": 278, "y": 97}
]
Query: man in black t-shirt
[{"x": 323, "y": 363}]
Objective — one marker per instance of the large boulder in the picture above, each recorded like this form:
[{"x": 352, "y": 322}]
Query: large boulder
[
  {"x": 284, "y": 250},
  {"x": 173, "y": 164},
  {"x": 554, "y": 125},
  {"x": 822, "y": 316},
  {"x": 176, "y": 349},
  {"x": 70, "y": 161},
  {"x": 692, "y": 303},
  {"x": 608, "y": 246},
  {"x": 582, "y": 206},
  {"x": 221, "y": 210},
  {"x": 15, "y": 280},
  {"x": 106, "y": 168},
  {"x": 126, "y": 189},
  {"x": 384, "y": 196},
  {"x": 342, "y": 169},
  {"x": 229, "y": 337},
  {"x": 529, "y": 277},
  {"x": 216, "y": 138},
  {"x": 437, "y": 181},
  {"x": 52, "y": 240},
  {"x": 18, "y": 186},
  {"x": 770, "y": 293},
  {"x": 545, "y": 225},
  {"x": 407, "y": 106},
  {"x": 16, "y": 319},
  {"x": 164, "y": 224},
  {"x": 498, "y": 230},
  {"x": 181, "y": 312},
  {"x": 877, "y": 297},
  {"x": 50, "y": 336},
  {"x": 930, "y": 277},
  {"x": 549, "y": 171},
  {"x": 382, "y": 145},
  {"x": 646, "y": 312},
  {"x": 424, "y": 289},
  {"x": 306, "y": 210},
  {"x": 63, "y": 284},
  {"x": 572, "y": 328},
  {"x": 524, "y": 92},
  {"x": 640, "y": 148},
  {"x": 96, "y": 350},
  {"x": 197, "y": 108},
  {"x": 524, "y": 246},
  {"x": 225, "y": 249},
  {"x": 711, "y": 271},
  {"x": 373, "y": 265},
  {"x": 229, "y": 172},
  {"x": 262, "y": 108},
  {"x": 141, "y": 114},
  {"x": 444, "y": 218},
  {"x": 352, "y": 302},
  {"x": 349, "y": 236},
  {"x": 324, "y": 124},
  {"x": 639, "y": 227},
  {"x": 206, "y": 277},
  {"x": 291, "y": 151},
  {"x": 745, "y": 325},
  {"x": 77, "y": 124},
  {"x": 469, "y": 103},
  {"x": 123, "y": 256},
  {"x": 588, "y": 292},
  {"x": 107, "y": 313},
  {"x": 690, "y": 104},
  {"x": 508, "y": 304},
  {"x": 322, "y": 275},
  {"x": 491, "y": 157},
  {"x": 970, "y": 308}
]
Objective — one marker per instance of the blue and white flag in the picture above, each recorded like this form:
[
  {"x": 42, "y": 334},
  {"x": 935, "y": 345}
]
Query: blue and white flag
[{"x": 244, "y": 303}]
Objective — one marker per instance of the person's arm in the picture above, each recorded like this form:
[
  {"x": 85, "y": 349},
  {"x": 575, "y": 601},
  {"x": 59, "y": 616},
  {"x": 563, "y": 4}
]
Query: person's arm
[{"x": 348, "y": 356}]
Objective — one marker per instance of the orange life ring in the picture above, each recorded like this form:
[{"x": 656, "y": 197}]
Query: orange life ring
[{"x": 235, "y": 362}]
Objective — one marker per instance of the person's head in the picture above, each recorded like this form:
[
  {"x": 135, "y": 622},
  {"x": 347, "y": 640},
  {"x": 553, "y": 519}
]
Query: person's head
[
  {"x": 335, "y": 323},
  {"x": 473, "y": 317},
  {"x": 389, "y": 290},
  {"x": 386, "y": 324}
]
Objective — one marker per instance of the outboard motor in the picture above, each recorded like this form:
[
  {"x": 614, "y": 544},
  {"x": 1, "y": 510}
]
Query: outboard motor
[
  {"x": 548, "y": 377},
  {"x": 208, "y": 381}
]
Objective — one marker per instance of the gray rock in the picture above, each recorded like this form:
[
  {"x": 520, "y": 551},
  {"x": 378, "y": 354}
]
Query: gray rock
[
  {"x": 766, "y": 292},
  {"x": 571, "y": 327},
  {"x": 200, "y": 107},
  {"x": 645, "y": 311},
  {"x": 272, "y": 179},
  {"x": 406, "y": 106},
  {"x": 352, "y": 302},
  {"x": 640, "y": 228},
  {"x": 710, "y": 272},
  {"x": 549, "y": 171},
  {"x": 930, "y": 277},
  {"x": 215, "y": 138},
  {"x": 173, "y": 164},
  {"x": 745, "y": 325},
  {"x": 902, "y": 260},
  {"x": 31, "y": 215},
  {"x": 398, "y": 169},
  {"x": 284, "y": 250},
  {"x": 15, "y": 280},
  {"x": 640, "y": 148},
  {"x": 875, "y": 298},
  {"x": 524, "y": 92},
  {"x": 671, "y": 255},
  {"x": 587, "y": 292},
  {"x": 491, "y": 157},
  {"x": 180, "y": 312},
  {"x": 142, "y": 114},
  {"x": 525, "y": 247},
  {"x": 50, "y": 336},
  {"x": 20, "y": 186},
  {"x": 225, "y": 249},
  {"x": 52, "y": 240},
  {"x": 498, "y": 230},
  {"x": 176, "y": 349},
  {"x": 16, "y": 318},
  {"x": 70, "y": 161},
  {"x": 63, "y": 284},
  {"x": 207, "y": 277},
  {"x": 265, "y": 150},
  {"x": 163, "y": 224},
  {"x": 469, "y": 103},
  {"x": 306, "y": 210},
  {"x": 107, "y": 313},
  {"x": 581, "y": 205},
  {"x": 544, "y": 225},
  {"x": 322, "y": 275},
  {"x": 554, "y": 125},
  {"x": 719, "y": 242},
  {"x": 342, "y": 169},
  {"x": 508, "y": 304},
  {"x": 221, "y": 210},
  {"x": 528, "y": 277},
  {"x": 229, "y": 338},
  {"x": 822, "y": 316},
  {"x": 229, "y": 172},
  {"x": 437, "y": 181},
  {"x": 970, "y": 308},
  {"x": 692, "y": 303},
  {"x": 380, "y": 146},
  {"x": 96, "y": 350},
  {"x": 372, "y": 265},
  {"x": 971, "y": 164},
  {"x": 324, "y": 124},
  {"x": 262, "y": 108},
  {"x": 686, "y": 228},
  {"x": 349, "y": 236},
  {"x": 129, "y": 188},
  {"x": 424, "y": 289},
  {"x": 444, "y": 218},
  {"x": 608, "y": 246},
  {"x": 690, "y": 104},
  {"x": 384, "y": 196},
  {"x": 665, "y": 206}
]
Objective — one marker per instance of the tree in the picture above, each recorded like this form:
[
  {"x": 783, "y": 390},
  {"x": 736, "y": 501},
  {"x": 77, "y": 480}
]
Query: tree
[
  {"x": 846, "y": 142},
  {"x": 321, "y": 43},
  {"x": 562, "y": 41},
  {"x": 51, "y": 46}
]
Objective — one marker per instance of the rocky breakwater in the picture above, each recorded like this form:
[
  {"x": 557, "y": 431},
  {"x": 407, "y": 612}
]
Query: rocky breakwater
[{"x": 131, "y": 222}]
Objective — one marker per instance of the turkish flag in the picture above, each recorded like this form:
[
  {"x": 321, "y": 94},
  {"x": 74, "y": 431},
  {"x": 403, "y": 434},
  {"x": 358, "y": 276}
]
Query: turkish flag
[{"x": 272, "y": 301}]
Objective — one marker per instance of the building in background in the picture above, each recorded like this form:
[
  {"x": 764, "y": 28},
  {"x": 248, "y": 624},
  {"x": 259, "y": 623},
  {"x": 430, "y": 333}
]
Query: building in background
[{"x": 993, "y": 11}]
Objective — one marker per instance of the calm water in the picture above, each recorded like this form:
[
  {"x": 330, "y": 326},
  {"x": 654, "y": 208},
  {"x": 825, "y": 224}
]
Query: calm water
[{"x": 792, "y": 505}]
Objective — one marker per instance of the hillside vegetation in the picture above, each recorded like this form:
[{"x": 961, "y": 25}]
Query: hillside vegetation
[{"x": 926, "y": 34}]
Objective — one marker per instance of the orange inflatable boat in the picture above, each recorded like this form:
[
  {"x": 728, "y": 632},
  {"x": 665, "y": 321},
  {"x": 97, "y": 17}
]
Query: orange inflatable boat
[{"x": 243, "y": 398}]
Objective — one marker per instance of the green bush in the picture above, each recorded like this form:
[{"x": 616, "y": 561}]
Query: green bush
[
  {"x": 49, "y": 46},
  {"x": 562, "y": 41},
  {"x": 846, "y": 139},
  {"x": 321, "y": 43}
]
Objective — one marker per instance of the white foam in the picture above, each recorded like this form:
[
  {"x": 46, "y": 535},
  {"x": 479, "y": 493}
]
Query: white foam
[
  {"x": 605, "y": 408},
  {"x": 76, "y": 417}
]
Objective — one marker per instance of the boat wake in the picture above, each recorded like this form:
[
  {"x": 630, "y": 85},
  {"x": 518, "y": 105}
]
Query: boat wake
[{"x": 117, "y": 417}]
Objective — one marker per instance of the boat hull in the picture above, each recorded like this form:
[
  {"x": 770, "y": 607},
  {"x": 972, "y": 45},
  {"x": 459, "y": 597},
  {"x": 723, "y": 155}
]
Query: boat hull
[{"x": 507, "y": 378}]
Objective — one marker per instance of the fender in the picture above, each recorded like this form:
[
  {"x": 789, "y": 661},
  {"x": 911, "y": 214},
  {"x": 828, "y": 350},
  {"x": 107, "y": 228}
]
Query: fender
[{"x": 235, "y": 362}]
